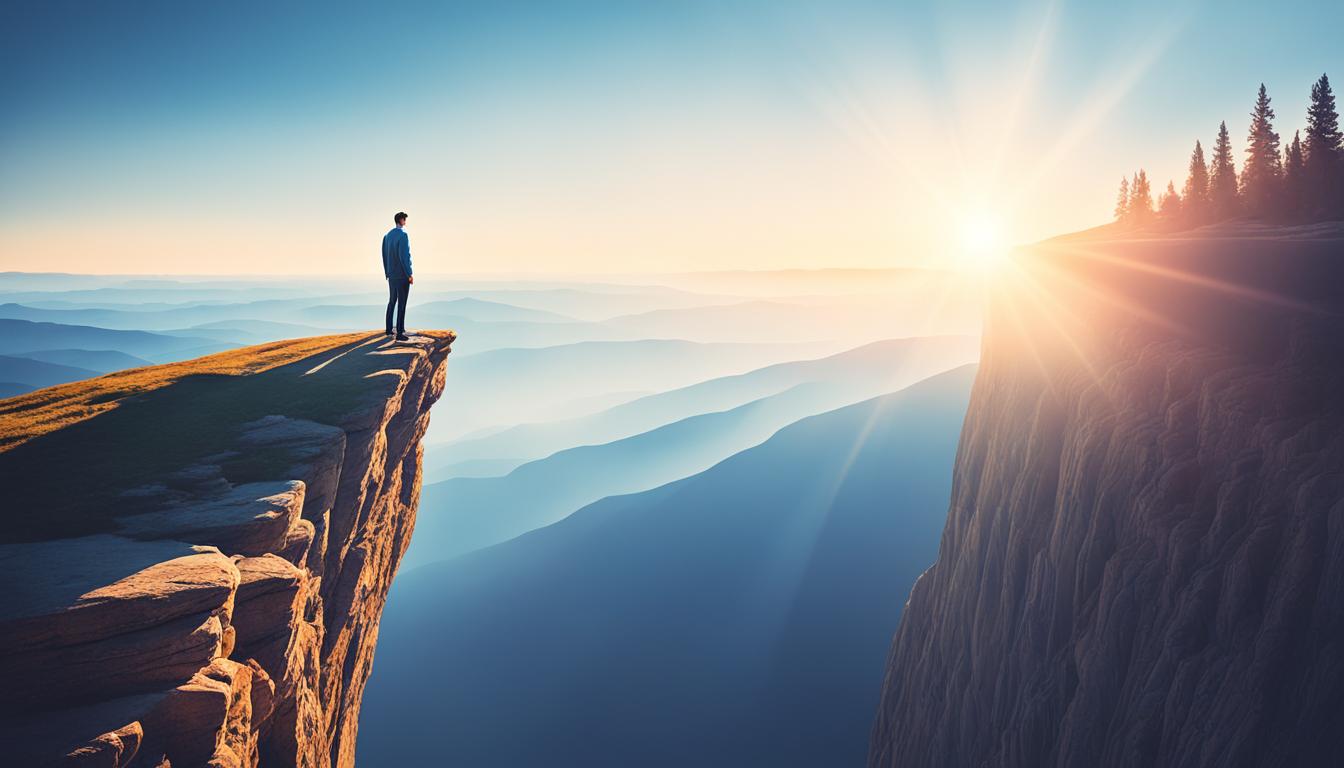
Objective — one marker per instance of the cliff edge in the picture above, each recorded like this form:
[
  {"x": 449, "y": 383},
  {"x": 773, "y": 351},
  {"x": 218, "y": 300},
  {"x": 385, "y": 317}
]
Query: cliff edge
[
  {"x": 198, "y": 554},
  {"x": 1143, "y": 562}
]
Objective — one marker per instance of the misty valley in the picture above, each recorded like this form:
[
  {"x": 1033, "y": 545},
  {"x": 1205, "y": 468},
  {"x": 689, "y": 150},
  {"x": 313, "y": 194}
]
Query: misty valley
[
  {"x": 686, "y": 512},
  {"x": 684, "y": 385}
]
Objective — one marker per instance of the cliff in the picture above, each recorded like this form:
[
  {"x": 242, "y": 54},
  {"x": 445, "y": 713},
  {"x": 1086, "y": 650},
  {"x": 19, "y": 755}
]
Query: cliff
[
  {"x": 1143, "y": 562},
  {"x": 198, "y": 554}
]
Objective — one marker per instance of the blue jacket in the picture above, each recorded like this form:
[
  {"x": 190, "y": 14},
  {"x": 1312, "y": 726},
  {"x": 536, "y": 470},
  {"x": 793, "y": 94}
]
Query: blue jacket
[{"x": 396, "y": 254}]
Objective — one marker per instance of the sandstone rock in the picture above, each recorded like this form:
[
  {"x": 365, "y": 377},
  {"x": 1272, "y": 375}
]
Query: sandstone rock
[
  {"x": 148, "y": 646},
  {"x": 295, "y": 728},
  {"x": 77, "y": 590},
  {"x": 271, "y": 601},
  {"x": 298, "y": 542},
  {"x": 249, "y": 519},
  {"x": 206, "y": 720},
  {"x": 111, "y": 750},
  {"x": 103, "y": 616},
  {"x": 317, "y": 451},
  {"x": 52, "y": 737}
]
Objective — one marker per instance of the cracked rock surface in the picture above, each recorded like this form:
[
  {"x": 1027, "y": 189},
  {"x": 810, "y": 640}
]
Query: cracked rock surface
[{"x": 225, "y": 612}]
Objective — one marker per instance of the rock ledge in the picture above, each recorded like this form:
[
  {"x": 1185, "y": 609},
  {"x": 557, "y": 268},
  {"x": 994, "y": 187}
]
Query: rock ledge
[{"x": 222, "y": 612}]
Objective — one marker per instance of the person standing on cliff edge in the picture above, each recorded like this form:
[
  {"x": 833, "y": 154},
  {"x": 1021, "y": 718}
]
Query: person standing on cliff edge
[{"x": 397, "y": 270}]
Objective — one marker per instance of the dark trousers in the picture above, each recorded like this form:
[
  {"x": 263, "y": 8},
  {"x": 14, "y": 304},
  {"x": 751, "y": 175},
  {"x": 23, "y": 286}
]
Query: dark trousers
[{"x": 397, "y": 291}]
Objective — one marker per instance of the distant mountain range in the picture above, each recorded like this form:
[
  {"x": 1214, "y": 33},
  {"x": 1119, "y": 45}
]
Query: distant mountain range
[
  {"x": 160, "y": 308},
  {"x": 463, "y": 514},
  {"x": 491, "y": 311},
  {"x": 312, "y": 312},
  {"x": 508, "y": 386},
  {"x": 872, "y": 369},
  {"x": 771, "y": 320},
  {"x": 22, "y": 374},
  {"x": 22, "y": 336},
  {"x": 678, "y": 519},
  {"x": 740, "y": 616},
  {"x": 244, "y": 330},
  {"x": 100, "y": 360}
]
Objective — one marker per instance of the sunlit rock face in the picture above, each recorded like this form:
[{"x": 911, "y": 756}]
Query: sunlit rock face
[
  {"x": 1143, "y": 562},
  {"x": 216, "y": 602}
]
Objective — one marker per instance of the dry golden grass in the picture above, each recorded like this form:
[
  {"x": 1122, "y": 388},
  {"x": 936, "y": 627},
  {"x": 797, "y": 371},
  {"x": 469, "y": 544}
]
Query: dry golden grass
[
  {"x": 75, "y": 449},
  {"x": 36, "y": 413}
]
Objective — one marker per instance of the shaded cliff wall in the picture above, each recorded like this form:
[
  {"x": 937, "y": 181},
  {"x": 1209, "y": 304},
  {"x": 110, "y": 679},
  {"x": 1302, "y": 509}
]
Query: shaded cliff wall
[
  {"x": 1143, "y": 562},
  {"x": 224, "y": 612}
]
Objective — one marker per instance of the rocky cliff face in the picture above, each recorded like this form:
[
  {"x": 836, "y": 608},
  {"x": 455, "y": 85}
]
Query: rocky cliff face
[
  {"x": 198, "y": 554},
  {"x": 1143, "y": 562}
]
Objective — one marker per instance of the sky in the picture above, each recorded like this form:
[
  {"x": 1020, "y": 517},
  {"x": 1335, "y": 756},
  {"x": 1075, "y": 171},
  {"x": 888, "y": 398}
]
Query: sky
[{"x": 588, "y": 137}]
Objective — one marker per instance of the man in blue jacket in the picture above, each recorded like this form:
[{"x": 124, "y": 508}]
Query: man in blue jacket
[{"x": 397, "y": 270}]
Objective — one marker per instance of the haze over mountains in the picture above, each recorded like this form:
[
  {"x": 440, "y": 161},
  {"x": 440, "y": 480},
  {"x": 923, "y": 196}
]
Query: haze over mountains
[
  {"x": 477, "y": 512},
  {"x": 23, "y": 336},
  {"x": 525, "y": 385},
  {"x": 736, "y": 617},
  {"x": 617, "y": 469},
  {"x": 867, "y": 370}
]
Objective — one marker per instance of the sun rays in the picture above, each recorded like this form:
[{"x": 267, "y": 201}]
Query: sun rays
[
  {"x": 983, "y": 245},
  {"x": 1074, "y": 299},
  {"x": 974, "y": 160},
  {"x": 970, "y": 128}
]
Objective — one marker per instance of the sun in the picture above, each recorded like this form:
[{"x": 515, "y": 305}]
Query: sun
[{"x": 982, "y": 245}]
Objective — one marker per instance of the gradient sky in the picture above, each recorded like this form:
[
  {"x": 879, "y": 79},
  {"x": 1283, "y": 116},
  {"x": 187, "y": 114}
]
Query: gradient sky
[{"x": 608, "y": 137}]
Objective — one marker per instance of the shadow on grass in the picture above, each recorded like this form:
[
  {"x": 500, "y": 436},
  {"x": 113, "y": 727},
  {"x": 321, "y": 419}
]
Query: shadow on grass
[{"x": 69, "y": 482}]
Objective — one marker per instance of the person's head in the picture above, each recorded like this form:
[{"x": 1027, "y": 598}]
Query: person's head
[{"x": 400, "y": 219}]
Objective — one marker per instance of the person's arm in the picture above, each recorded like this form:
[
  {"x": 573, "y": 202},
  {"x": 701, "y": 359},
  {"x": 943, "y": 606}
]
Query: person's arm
[{"x": 406, "y": 256}]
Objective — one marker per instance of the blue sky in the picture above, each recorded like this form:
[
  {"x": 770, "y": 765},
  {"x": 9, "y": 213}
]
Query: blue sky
[{"x": 573, "y": 137}]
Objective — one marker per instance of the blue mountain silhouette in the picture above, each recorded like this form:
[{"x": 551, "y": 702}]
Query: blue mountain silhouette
[{"x": 740, "y": 616}]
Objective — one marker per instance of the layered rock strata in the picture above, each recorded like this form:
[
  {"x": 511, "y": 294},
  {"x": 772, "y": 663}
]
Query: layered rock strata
[{"x": 226, "y": 612}]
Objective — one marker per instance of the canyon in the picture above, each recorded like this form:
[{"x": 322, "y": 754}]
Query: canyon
[
  {"x": 1144, "y": 552},
  {"x": 1140, "y": 563},
  {"x": 199, "y": 552}
]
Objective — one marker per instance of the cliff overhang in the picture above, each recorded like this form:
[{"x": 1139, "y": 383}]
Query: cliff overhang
[{"x": 199, "y": 552}]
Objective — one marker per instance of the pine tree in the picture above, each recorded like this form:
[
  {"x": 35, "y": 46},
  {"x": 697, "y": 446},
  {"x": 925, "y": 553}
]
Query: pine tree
[
  {"x": 1132, "y": 215},
  {"x": 1322, "y": 154},
  {"x": 1195, "y": 205},
  {"x": 1262, "y": 174},
  {"x": 1122, "y": 202},
  {"x": 1223, "y": 178},
  {"x": 1294, "y": 178},
  {"x": 1169, "y": 210},
  {"x": 1140, "y": 200}
]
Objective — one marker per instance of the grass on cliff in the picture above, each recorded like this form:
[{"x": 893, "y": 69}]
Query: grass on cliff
[
  {"x": 46, "y": 410},
  {"x": 68, "y": 452}
]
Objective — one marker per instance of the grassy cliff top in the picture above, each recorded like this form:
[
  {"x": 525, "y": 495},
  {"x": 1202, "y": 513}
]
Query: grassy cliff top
[{"x": 70, "y": 451}]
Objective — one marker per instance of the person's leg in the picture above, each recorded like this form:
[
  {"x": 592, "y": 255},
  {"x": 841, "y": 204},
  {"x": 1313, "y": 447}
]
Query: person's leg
[
  {"x": 391, "y": 302},
  {"x": 404, "y": 288}
]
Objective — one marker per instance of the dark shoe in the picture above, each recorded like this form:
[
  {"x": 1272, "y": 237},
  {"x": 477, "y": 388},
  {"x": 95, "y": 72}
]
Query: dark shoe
[
  {"x": 403, "y": 337},
  {"x": 388, "y": 332}
]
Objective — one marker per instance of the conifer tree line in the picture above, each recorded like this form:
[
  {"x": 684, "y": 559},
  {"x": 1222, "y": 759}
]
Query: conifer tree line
[{"x": 1285, "y": 181}]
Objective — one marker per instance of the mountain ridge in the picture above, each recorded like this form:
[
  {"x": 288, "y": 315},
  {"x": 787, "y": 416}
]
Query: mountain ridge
[
  {"x": 698, "y": 616},
  {"x": 531, "y": 441}
]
